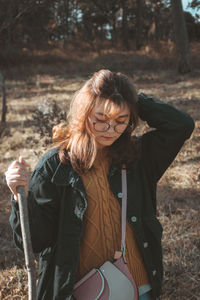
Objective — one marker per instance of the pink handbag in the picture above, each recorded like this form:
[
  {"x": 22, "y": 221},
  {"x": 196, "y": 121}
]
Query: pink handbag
[{"x": 112, "y": 281}]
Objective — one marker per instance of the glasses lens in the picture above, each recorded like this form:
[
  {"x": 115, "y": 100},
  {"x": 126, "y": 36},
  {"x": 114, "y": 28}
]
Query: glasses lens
[
  {"x": 101, "y": 126},
  {"x": 120, "y": 127}
]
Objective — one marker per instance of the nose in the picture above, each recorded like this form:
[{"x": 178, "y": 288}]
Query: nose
[{"x": 111, "y": 127}]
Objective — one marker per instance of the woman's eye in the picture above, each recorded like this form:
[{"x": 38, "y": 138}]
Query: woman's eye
[
  {"x": 120, "y": 122},
  {"x": 98, "y": 120}
]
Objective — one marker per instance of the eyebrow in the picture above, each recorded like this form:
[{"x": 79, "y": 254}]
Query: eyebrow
[{"x": 102, "y": 114}]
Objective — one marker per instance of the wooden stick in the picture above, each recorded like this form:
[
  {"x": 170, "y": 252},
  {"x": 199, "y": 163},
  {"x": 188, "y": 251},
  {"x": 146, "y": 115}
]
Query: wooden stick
[{"x": 28, "y": 251}]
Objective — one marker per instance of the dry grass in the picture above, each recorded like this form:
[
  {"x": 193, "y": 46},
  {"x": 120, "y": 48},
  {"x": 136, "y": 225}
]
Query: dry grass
[{"x": 178, "y": 191}]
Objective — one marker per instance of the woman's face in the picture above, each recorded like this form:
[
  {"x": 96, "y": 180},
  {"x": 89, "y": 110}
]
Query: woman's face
[{"x": 105, "y": 128}]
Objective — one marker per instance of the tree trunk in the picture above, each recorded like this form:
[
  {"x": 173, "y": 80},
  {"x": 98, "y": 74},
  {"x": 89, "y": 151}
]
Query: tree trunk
[
  {"x": 139, "y": 25},
  {"x": 66, "y": 8},
  {"x": 125, "y": 35},
  {"x": 4, "y": 106},
  {"x": 9, "y": 41},
  {"x": 114, "y": 35},
  {"x": 181, "y": 37},
  {"x": 157, "y": 22}
]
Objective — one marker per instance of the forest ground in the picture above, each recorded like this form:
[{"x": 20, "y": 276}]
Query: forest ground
[{"x": 57, "y": 77}]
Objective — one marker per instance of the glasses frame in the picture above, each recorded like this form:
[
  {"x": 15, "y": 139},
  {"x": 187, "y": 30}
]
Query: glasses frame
[{"x": 108, "y": 126}]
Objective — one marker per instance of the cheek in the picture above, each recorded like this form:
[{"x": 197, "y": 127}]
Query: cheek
[
  {"x": 93, "y": 131},
  {"x": 97, "y": 135}
]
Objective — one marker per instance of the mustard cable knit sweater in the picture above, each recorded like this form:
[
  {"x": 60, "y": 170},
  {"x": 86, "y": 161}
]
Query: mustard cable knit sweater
[{"x": 102, "y": 226}]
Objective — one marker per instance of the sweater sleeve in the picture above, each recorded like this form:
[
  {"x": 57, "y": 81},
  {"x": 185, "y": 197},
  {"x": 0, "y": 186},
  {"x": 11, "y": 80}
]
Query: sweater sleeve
[
  {"x": 171, "y": 128},
  {"x": 43, "y": 206}
]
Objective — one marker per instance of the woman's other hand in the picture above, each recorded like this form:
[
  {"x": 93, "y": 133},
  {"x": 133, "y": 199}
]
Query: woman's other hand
[{"x": 17, "y": 175}]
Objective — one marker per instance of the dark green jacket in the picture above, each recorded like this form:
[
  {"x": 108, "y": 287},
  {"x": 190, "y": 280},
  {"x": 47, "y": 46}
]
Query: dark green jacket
[{"x": 57, "y": 202}]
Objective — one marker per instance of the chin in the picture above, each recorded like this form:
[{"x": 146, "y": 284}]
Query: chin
[{"x": 105, "y": 143}]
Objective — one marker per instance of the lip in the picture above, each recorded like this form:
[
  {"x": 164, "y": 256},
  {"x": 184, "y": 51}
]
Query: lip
[{"x": 107, "y": 137}]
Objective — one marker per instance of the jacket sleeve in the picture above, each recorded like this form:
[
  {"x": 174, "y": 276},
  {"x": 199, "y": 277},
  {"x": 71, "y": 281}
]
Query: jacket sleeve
[
  {"x": 171, "y": 128},
  {"x": 43, "y": 209}
]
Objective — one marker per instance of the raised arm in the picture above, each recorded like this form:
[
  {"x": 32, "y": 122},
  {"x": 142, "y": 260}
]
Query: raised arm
[{"x": 171, "y": 128}]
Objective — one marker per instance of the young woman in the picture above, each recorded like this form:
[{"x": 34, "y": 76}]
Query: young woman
[{"x": 74, "y": 194}]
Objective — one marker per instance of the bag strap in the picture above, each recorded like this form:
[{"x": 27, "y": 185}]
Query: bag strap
[{"x": 124, "y": 209}]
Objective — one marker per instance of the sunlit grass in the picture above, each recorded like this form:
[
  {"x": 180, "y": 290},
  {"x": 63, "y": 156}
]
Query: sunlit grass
[{"x": 178, "y": 190}]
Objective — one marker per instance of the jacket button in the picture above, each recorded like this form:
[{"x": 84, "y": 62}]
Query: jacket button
[
  {"x": 133, "y": 219},
  {"x": 119, "y": 195},
  {"x": 145, "y": 244},
  {"x": 154, "y": 272}
]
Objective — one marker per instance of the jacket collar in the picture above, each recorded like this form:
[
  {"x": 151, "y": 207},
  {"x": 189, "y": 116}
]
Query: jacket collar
[{"x": 66, "y": 175}]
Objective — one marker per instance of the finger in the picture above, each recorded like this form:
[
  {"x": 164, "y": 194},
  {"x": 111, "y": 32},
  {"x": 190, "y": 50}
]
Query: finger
[
  {"x": 22, "y": 163},
  {"x": 14, "y": 164},
  {"x": 14, "y": 178},
  {"x": 18, "y": 163},
  {"x": 17, "y": 181},
  {"x": 16, "y": 172},
  {"x": 10, "y": 178},
  {"x": 22, "y": 160}
]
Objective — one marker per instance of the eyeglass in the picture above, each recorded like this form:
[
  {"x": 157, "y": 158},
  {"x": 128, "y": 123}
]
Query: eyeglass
[{"x": 104, "y": 126}]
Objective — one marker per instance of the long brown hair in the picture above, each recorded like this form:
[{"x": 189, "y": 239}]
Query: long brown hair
[{"x": 76, "y": 141}]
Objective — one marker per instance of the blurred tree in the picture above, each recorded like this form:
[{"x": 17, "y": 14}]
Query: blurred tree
[
  {"x": 195, "y": 4},
  {"x": 93, "y": 22},
  {"x": 158, "y": 6},
  {"x": 153, "y": 22},
  {"x": 11, "y": 14},
  {"x": 124, "y": 31},
  {"x": 181, "y": 37},
  {"x": 23, "y": 22},
  {"x": 110, "y": 9},
  {"x": 65, "y": 21},
  {"x": 35, "y": 23},
  {"x": 139, "y": 4},
  {"x": 66, "y": 4},
  {"x": 191, "y": 25}
]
